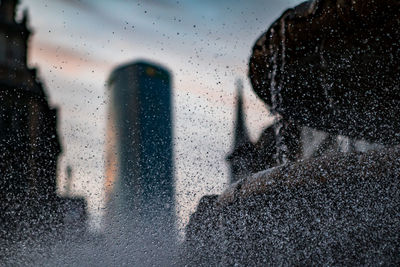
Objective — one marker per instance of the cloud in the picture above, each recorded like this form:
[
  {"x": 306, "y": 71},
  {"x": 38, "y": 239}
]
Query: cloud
[
  {"x": 93, "y": 8},
  {"x": 161, "y": 3},
  {"x": 66, "y": 61},
  {"x": 78, "y": 4}
]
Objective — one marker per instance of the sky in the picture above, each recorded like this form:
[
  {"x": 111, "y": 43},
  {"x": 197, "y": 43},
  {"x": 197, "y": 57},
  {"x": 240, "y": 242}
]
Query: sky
[{"x": 205, "y": 44}]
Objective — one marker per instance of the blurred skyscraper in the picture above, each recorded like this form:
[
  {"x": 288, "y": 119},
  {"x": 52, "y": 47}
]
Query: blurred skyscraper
[{"x": 139, "y": 153}]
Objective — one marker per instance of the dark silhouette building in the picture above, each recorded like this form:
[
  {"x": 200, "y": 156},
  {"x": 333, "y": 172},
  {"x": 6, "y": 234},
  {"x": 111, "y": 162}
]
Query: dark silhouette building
[
  {"x": 248, "y": 157},
  {"x": 29, "y": 143},
  {"x": 139, "y": 159},
  {"x": 73, "y": 210},
  {"x": 282, "y": 142},
  {"x": 240, "y": 159}
]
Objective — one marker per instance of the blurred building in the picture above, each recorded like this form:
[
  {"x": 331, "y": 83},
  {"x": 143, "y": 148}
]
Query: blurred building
[
  {"x": 73, "y": 209},
  {"x": 249, "y": 157},
  {"x": 282, "y": 140},
  {"x": 29, "y": 142},
  {"x": 139, "y": 157}
]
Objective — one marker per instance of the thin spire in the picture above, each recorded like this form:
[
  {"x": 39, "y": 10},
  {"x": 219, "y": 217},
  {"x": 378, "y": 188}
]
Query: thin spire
[
  {"x": 25, "y": 18},
  {"x": 241, "y": 136},
  {"x": 68, "y": 170}
]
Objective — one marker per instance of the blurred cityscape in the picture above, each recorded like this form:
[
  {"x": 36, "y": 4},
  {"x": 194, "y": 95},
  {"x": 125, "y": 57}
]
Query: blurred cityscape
[
  {"x": 146, "y": 211},
  {"x": 139, "y": 153}
]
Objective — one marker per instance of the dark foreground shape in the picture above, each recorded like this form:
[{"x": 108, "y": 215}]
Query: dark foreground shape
[
  {"x": 334, "y": 65},
  {"x": 339, "y": 209}
]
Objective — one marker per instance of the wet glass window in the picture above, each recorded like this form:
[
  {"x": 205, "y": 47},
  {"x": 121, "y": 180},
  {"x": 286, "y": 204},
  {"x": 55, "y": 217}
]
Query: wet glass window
[{"x": 199, "y": 133}]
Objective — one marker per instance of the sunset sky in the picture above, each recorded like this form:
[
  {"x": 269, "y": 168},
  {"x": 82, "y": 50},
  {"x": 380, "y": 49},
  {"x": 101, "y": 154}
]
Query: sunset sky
[{"x": 205, "y": 44}]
